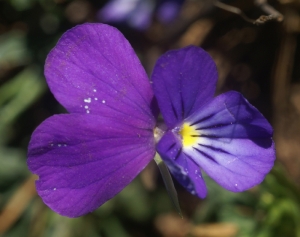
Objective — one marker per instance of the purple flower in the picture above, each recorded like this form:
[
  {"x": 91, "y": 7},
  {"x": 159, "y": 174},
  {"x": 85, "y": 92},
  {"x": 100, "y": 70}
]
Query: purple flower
[
  {"x": 138, "y": 13},
  {"x": 86, "y": 157}
]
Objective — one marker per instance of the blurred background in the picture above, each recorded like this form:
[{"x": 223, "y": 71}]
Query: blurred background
[{"x": 257, "y": 52}]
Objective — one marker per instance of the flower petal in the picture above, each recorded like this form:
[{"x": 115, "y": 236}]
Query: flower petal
[
  {"x": 168, "y": 10},
  {"x": 184, "y": 169},
  {"x": 234, "y": 145},
  {"x": 183, "y": 81},
  {"x": 84, "y": 160},
  {"x": 93, "y": 69},
  {"x": 118, "y": 10},
  {"x": 137, "y": 13}
]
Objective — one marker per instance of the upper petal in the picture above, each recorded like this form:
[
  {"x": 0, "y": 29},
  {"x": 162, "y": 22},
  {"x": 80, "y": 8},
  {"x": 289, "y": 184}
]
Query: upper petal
[
  {"x": 93, "y": 69},
  {"x": 84, "y": 160},
  {"x": 232, "y": 142},
  {"x": 183, "y": 81}
]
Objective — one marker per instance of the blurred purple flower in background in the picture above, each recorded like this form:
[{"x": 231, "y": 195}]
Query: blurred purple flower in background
[
  {"x": 138, "y": 13},
  {"x": 86, "y": 157}
]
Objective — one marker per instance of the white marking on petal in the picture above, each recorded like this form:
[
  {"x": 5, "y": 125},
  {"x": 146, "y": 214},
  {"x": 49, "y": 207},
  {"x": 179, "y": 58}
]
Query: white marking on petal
[
  {"x": 176, "y": 129},
  {"x": 103, "y": 101},
  {"x": 88, "y": 100}
]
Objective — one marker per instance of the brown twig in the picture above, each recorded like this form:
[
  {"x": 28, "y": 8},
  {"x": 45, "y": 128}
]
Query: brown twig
[
  {"x": 17, "y": 204},
  {"x": 273, "y": 14},
  {"x": 264, "y": 6}
]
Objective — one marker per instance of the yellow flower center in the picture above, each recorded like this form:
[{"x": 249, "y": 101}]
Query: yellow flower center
[{"x": 189, "y": 135}]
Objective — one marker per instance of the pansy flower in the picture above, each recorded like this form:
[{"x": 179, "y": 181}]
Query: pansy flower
[{"x": 86, "y": 157}]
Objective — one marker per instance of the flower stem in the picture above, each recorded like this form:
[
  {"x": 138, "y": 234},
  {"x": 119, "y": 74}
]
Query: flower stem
[{"x": 168, "y": 182}]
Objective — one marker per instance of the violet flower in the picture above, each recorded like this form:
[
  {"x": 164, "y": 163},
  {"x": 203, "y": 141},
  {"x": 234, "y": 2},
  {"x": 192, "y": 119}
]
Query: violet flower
[
  {"x": 138, "y": 13},
  {"x": 86, "y": 157}
]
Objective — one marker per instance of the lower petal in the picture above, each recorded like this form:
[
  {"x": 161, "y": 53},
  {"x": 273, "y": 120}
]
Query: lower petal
[
  {"x": 237, "y": 164},
  {"x": 231, "y": 141},
  {"x": 182, "y": 167},
  {"x": 84, "y": 160}
]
